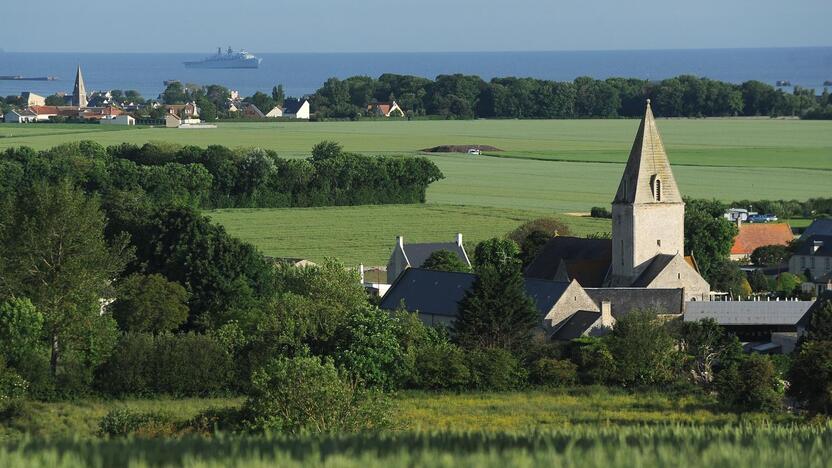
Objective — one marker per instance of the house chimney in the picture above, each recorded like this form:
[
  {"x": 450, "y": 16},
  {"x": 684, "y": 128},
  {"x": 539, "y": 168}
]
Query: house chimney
[
  {"x": 606, "y": 314},
  {"x": 400, "y": 241},
  {"x": 361, "y": 272},
  {"x": 459, "y": 239}
]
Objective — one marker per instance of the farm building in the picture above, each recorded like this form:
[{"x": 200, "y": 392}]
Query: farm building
[
  {"x": 296, "y": 109},
  {"x": 754, "y": 236},
  {"x": 814, "y": 259},
  {"x": 385, "y": 109},
  {"x": 406, "y": 256}
]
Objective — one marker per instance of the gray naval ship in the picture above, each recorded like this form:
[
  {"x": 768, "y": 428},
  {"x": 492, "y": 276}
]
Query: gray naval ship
[{"x": 230, "y": 59}]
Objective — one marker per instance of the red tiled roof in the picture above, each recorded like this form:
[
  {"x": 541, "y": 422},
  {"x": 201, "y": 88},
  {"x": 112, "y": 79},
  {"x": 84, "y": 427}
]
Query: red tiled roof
[
  {"x": 752, "y": 236},
  {"x": 45, "y": 110}
]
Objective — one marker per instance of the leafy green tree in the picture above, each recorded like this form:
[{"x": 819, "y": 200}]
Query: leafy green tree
[
  {"x": 758, "y": 281},
  {"x": 788, "y": 284},
  {"x": 496, "y": 311},
  {"x": 174, "y": 93},
  {"x": 770, "y": 255},
  {"x": 726, "y": 276},
  {"x": 445, "y": 260},
  {"x": 21, "y": 325},
  {"x": 150, "y": 303},
  {"x": 820, "y": 327},
  {"x": 226, "y": 278},
  {"x": 752, "y": 385},
  {"x": 263, "y": 101},
  {"x": 810, "y": 375},
  {"x": 278, "y": 96},
  {"x": 502, "y": 254},
  {"x": 643, "y": 350},
  {"x": 708, "y": 235},
  {"x": 55, "y": 100},
  {"x": 368, "y": 348},
  {"x": 207, "y": 109},
  {"x": 56, "y": 255},
  {"x": 439, "y": 365},
  {"x": 707, "y": 344}
]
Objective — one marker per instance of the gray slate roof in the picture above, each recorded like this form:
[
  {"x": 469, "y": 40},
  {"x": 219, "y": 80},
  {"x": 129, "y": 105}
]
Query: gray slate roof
[
  {"x": 576, "y": 325},
  {"x": 626, "y": 300},
  {"x": 808, "y": 244},
  {"x": 822, "y": 227},
  {"x": 439, "y": 292},
  {"x": 748, "y": 312},
  {"x": 647, "y": 160},
  {"x": 292, "y": 106},
  {"x": 596, "y": 253},
  {"x": 418, "y": 253},
  {"x": 806, "y": 320},
  {"x": 656, "y": 266}
]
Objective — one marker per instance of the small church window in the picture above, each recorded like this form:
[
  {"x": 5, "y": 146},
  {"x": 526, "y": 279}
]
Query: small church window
[
  {"x": 658, "y": 189},
  {"x": 659, "y": 242}
]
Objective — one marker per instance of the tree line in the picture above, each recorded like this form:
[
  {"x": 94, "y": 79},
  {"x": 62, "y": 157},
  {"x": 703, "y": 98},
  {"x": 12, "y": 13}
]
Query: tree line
[
  {"x": 469, "y": 96},
  {"x": 218, "y": 177}
]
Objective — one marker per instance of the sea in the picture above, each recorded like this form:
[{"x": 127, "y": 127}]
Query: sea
[{"x": 303, "y": 73}]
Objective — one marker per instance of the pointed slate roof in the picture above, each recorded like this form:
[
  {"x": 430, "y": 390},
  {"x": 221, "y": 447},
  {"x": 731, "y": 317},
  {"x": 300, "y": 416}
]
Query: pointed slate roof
[
  {"x": 647, "y": 163},
  {"x": 79, "y": 92}
]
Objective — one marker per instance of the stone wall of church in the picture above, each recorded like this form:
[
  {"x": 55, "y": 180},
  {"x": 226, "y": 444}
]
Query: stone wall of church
[
  {"x": 678, "y": 274},
  {"x": 642, "y": 231},
  {"x": 572, "y": 300}
]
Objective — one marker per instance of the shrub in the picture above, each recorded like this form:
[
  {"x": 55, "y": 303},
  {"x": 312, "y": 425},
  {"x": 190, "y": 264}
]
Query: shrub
[
  {"x": 599, "y": 212},
  {"x": 553, "y": 372},
  {"x": 306, "y": 394},
  {"x": 810, "y": 376},
  {"x": 122, "y": 422},
  {"x": 495, "y": 369},
  {"x": 187, "y": 364},
  {"x": 12, "y": 387},
  {"x": 769, "y": 255},
  {"x": 594, "y": 360},
  {"x": 752, "y": 385},
  {"x": 551, "y": 226},
  {"x": 440, "y": 365}
]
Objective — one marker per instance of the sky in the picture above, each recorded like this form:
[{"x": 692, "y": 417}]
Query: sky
[{"x": 408, "y": 26}]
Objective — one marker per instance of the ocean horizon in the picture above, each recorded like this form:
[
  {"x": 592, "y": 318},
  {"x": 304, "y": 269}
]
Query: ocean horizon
[{"x": 303, "y": 73}]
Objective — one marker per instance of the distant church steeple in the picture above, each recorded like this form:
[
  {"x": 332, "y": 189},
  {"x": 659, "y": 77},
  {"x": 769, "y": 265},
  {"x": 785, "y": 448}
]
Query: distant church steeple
[
  {"x": 648, "y": 211},
  {"x": 79, "y": 93}
]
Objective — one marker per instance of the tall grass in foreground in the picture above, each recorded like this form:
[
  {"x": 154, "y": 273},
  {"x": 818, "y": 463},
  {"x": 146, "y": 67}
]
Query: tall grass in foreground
[{"x": 584, "y": 446}]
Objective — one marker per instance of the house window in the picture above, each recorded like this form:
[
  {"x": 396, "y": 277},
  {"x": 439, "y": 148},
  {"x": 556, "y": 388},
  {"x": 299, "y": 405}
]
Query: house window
[
  {"x": 678, "y": 276},
  {"x": 622, "y": 252}
]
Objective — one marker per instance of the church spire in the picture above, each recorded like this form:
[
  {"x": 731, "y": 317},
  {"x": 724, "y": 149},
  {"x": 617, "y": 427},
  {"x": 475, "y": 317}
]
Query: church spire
[
  {"x": 647, "y": 176},
  {"x": 79, "y": 93}
]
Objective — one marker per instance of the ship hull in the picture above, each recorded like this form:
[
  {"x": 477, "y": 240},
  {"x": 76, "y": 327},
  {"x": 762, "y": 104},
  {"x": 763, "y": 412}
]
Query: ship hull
[{"x": 225, "y": 64}]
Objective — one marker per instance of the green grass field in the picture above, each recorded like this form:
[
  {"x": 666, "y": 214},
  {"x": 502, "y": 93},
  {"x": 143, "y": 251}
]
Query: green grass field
[{"x": 366, "y": 234}]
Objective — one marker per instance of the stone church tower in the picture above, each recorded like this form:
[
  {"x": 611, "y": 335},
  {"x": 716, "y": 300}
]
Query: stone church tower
[
  {"x": 79, "y": 93},
  {"x": 648, "y": 212}
]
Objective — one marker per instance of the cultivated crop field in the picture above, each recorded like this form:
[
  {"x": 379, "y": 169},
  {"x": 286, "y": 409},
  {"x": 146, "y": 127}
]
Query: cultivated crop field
[
  {"x": 554, "y": 165},
  {"x": 547, "y": 166},
  {"x": 590, "y": 426}
]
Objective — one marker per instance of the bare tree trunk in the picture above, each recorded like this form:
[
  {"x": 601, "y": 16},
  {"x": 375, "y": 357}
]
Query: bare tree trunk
[{"x": 53, "y": 360}]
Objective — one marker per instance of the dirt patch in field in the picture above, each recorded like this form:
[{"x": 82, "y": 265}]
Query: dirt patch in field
[{"x": 459, "y": 148}]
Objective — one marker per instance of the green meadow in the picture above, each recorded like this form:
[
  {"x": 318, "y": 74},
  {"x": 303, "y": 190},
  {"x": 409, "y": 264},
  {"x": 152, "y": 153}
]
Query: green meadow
[
  {"x": 546, "y": 166},
  {"x": 366, "y": 234}
]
